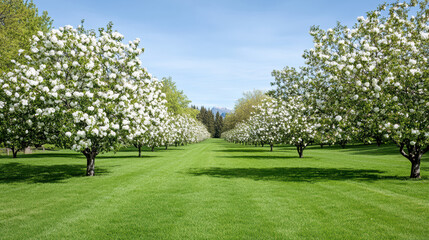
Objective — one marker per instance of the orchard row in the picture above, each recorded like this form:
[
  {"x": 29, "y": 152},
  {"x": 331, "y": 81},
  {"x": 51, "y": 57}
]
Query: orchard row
[
  {"x": 87, "y": 92},
  {"x": 369, "y": 82}
]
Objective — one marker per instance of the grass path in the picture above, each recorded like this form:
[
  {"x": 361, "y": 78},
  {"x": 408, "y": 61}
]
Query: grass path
[{"x": 215, "y": 190}]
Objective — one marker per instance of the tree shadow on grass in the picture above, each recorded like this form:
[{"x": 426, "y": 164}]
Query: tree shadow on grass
[
  {"x": 260, "y": 157},
  {"x": 242, "y": 150},
  {"x": 173, "y": 148},
  {"x": 294, "y": 174},
  {"x": 77, "y": 156},
  {"x": 24, "y": 173},
  {"x": 48, "y": 155},
  {"x": 146, "y": 149},
  {"x": 361, "y": 149},
  {"x": 122, "y": 157}
]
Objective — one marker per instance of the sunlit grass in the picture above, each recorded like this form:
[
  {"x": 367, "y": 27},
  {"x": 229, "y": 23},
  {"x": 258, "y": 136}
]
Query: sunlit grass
[{"x": 215, "y": 190}]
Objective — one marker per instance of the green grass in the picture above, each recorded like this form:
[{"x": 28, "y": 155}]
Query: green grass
[{"x": 215, "y": 190}]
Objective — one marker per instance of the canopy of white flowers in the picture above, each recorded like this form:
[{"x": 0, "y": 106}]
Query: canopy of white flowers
[{"x": 86, "y": 92}]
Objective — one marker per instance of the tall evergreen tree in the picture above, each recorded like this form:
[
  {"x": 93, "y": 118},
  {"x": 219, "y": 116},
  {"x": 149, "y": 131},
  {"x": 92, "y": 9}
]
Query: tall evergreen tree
[
  {"x": 207, "y": 118},
  {"x": 210, "y": 122},
  {"x": 201, "y": 115},
  {"x": 218, "y": 125}
]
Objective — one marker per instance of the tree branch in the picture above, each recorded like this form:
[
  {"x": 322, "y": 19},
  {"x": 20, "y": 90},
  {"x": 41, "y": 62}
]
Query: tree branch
[{"x": 401, "y": 150}]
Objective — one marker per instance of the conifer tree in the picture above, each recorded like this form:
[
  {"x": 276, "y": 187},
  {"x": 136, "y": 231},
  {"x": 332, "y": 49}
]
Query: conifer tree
[{"x": 218, "y": 125}]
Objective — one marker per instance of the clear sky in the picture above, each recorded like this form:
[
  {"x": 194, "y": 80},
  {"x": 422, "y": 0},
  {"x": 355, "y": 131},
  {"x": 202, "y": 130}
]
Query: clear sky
[{"x": 216, "y": 49}]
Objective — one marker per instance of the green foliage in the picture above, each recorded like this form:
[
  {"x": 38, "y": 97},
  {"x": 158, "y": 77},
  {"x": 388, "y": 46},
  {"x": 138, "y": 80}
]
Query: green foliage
[
  {"x": 214, "y": 190},
  {"x": 192, "y": 112},
  {"x": 243, "y": 108},
  {"x": 207, "y": 118},
  {"x": 218, "y": 125},
  {"x": 177, "y": 101},
  {"x": 19, "y": 21}
]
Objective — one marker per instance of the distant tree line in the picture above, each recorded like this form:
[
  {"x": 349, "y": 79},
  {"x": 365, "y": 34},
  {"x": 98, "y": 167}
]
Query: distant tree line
[
  {"x": 243, "y": 108},
  {"x": 214, "y": 123}
]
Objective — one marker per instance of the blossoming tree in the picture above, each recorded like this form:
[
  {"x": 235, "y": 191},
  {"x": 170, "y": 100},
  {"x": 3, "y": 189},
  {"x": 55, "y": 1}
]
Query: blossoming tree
[
  {"x": 19, "y": 127},
  {"x": 376, "y": 74},
  {"x": 266, "y": 123},
  {"x": 88, "y": 89}
]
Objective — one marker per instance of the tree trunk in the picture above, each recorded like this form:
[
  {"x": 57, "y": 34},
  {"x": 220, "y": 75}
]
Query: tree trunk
[
  {"x": 414, "y": 155},
  {"x": 378, "y": 140},
  {"x": 262, "y": 144},
  {"x": 166, "y": 146},
  {"x": 271, "y": 147},
  {"x": 153, "y": 148},
  {"x": 343, "y": 144},
  {"x": 140, "y": 150},
  {"x": 321, "y": 145},
  {"x": 415, "y": 168},
  {"x": 14, "y": 152},
  {"x": 300, "y": 149},
  {"x": 90, "y": 161}
]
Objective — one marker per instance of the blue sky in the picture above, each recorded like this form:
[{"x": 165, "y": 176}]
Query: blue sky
[{"x": 213, "y": 50}]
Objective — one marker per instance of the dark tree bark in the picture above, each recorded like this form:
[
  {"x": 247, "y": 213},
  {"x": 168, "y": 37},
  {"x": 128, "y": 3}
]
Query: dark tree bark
[
  {"x": 14, "y": 152},
  {"x": 153, "y": 148},
  {"x": 166, "y": 146},
  {"x": 343, "y": 143},
  {"x": 414, "y": 155},
  {"x": 415, "y": 169},
  {"x": 379, "y": 141},
  {"x": 300, "y": 148},
  {"x": 139, "y": 147},
  {"x": 262, "y": 144},
  {"x": 271, "y": 147},
  {"x": 321, "y": 145},
  {"x": 90, "y": 155}
]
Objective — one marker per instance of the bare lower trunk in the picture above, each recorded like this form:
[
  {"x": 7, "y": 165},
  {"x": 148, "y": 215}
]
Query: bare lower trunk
[
  {"x": 300, "y": 148},
  {"x": 414, "y": 155},
  {"x": 343, "y": 144},
  {"x": 153, "y": 149},
  {"x": 379, "y": 141},
  {"x": 166, "y": 146},
  {"x": 271, "y": 147},
  {"x": 415, "y": 169},
  {"x": 14, "y": 152},
  {"x": 90, "y": 155},
  {"x": 321, "y": 145},
  {"x": 140, "y": 150},
  {"x": 262, "y": 144}
]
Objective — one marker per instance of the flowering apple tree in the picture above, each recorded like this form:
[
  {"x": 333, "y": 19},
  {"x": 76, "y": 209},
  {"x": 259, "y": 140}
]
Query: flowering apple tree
[
  {"x": 375, "y": 76},
  {"x": 88, "y": 90}
]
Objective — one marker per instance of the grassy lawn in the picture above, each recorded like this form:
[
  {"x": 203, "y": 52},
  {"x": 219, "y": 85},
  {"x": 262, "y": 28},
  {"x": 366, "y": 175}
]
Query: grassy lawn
[{"x": 215, "y": 190}]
